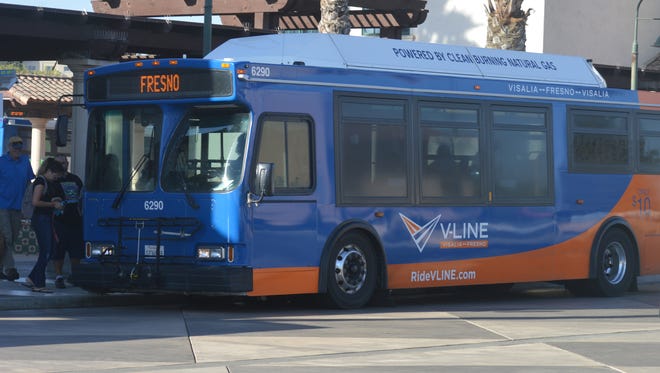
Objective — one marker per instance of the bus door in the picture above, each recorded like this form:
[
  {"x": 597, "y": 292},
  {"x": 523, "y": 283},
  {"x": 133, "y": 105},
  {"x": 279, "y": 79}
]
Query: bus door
[{"x": 284, "y": 226}]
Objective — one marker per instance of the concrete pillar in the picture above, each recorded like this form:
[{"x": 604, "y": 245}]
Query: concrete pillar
[
  {"x": 78, "y": 122},
  {"x": 38, "y": 143}
]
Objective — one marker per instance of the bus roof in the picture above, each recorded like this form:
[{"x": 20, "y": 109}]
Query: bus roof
[
  {"x": 6, "y": 121},
  {"x": 352, "y": 52}
]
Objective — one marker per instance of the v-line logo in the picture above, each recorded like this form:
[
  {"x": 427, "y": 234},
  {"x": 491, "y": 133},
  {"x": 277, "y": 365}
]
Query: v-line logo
[
  {"x": 420, "y": 235},
  {"x": 455, "y": 235}
]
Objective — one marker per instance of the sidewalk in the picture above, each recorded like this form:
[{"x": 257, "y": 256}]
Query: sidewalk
[{"x": 15, "y": 296}]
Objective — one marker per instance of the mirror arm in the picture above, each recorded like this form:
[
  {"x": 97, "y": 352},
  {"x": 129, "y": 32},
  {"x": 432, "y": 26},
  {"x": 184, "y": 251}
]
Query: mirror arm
[
  {"x": 265, "y": 183},
  {"x": 62, "y": 125},
  {"x": 254, "y": 199}
]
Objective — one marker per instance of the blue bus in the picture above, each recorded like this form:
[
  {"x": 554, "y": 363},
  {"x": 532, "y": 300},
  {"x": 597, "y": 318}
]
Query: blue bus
[
  {"x": 11, "y": 126},
  {"x": 348, "y": 166}
]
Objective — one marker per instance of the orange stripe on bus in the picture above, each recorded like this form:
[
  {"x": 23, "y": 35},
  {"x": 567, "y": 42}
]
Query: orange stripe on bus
[
  {"x": 566, "y": 261},
  {"x": 648, "y": 97},
  {"x": 283, "y": 281}
]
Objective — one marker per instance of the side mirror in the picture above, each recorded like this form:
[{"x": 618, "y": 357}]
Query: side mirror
[
  {"x": 264, "y": 179},
  {"x": 61, "y": 130}
]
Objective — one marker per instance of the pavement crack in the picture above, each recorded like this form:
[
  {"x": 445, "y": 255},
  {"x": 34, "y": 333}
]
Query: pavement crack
[{"x": 190, "y": 343}]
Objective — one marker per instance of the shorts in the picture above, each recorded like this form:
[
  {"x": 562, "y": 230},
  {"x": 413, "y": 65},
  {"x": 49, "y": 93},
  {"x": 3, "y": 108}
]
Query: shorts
[
  {"x": 69, "y": 239},
  {"x": 10, "y": 225}
]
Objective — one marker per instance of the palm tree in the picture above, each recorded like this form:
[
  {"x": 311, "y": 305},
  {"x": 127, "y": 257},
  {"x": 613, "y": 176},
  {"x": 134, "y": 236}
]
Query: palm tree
[
  {"x": 334, "y": 17},
  {"x": 506, "y": 24}
]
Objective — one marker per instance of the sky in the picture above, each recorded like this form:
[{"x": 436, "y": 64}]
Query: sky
[
  {"x": 58, "y": 4},
  {"x": 87, "y": 6}
]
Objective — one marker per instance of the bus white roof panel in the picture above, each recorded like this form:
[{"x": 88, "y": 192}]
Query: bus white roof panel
[
  {"x": 343, "y": 51},
  {"x": 282, "y": 49}
]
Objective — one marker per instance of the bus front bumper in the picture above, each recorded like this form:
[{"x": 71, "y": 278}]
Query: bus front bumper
[{"x": 164, "y": 278}]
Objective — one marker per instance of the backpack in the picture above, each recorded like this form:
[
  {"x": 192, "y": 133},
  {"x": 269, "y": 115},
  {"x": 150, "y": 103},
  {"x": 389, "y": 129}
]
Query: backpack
[{"x": 27, "y": 208}]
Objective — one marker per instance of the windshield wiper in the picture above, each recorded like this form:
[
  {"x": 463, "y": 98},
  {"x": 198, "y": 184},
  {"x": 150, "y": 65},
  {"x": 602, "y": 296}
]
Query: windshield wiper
[
  {"x": 143, "y": 160},
  {"x": 189, "y": 198}
]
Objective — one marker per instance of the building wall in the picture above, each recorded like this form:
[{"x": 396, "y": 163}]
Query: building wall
[
  {"x": 464, "y": 23},
  {"x": 47, "y": 65},
  {"x": 601, "y": 30}
]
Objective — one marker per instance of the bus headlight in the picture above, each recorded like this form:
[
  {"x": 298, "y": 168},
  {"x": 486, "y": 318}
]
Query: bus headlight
[
  {"x": 211, "y": 252},
  {"x": 99, "y": 249}
]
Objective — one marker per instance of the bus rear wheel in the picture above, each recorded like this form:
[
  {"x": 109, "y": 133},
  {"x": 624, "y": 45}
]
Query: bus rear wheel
[
  {"x": 352, "y": 271},
  {"x": 615, "y": 264},
  {"x": 615, "y": 267}
]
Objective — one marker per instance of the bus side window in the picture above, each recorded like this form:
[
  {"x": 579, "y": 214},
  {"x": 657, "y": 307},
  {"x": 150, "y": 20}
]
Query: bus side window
[
  {"x": 442, "y": 174},
  {"x": 286, "y": 141},
  {"x": 520, "y": 163},
  {"x": 539, "y": 168},
  {"x": 450, "y": 144}
]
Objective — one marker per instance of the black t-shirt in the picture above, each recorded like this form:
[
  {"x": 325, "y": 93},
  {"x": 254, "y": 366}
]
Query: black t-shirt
[
  {"x": 71, "y": 185},
  {"x": 53, "y": 190}
]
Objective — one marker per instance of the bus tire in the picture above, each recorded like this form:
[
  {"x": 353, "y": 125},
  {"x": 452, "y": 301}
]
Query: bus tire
[
  {"x": 615, "y": 264},
  {"x": 352, "y": 271}
]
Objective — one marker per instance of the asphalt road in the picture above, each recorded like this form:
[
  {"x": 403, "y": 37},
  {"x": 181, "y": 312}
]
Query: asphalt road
[{"x": 537, "y": 328}]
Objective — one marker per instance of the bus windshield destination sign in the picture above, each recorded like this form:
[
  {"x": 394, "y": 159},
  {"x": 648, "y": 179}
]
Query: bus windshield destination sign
[{"x": 160, "y": 84}]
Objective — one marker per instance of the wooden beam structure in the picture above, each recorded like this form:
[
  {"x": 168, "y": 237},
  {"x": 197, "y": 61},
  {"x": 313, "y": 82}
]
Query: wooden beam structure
[
  {"x": 159, "y": 8},
  {"x": 390, "y": 16},
  {"x": 36, "y": 33}
]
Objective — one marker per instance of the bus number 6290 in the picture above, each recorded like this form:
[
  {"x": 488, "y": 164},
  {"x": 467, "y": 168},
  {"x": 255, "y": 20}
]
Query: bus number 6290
[{"x": 153, "y": 205}]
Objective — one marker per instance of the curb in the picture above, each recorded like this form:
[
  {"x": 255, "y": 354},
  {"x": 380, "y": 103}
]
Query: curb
[{"x": 45, "y": 301}]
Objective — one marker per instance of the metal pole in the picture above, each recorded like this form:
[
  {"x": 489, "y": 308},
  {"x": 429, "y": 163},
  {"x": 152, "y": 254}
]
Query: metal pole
[
  {"x": 633, "y": 64},
  {"x": 208, "y": 12}
]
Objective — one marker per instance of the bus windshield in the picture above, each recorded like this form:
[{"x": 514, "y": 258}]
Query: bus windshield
[
  {"x": 123, "y": 147},
  {"x": 207, "y": 151}
]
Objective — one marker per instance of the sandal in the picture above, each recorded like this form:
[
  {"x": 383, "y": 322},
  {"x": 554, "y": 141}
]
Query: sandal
[{"x": 28, "y": 283}]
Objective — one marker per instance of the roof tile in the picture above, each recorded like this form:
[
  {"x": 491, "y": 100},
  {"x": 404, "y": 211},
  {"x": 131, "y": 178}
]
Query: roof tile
[{"x": 41, "y": 89}]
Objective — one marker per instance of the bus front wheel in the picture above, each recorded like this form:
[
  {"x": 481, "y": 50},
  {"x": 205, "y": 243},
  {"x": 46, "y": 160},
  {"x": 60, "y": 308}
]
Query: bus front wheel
[{"x": 352, "y": 271}]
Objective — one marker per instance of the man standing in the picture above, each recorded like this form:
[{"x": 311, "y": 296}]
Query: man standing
[
  {"x": 15, "y": 174},
  {"x": 68, "y": 225}
]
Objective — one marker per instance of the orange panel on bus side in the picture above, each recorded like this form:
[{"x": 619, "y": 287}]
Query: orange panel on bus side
[
  {"x": 537, "y": 265},
  {"x": 283, "y": 281},
  {"x": 648, "y": 97}
]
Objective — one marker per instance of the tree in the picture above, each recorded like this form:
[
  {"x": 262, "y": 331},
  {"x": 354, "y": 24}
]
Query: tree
[
  {"x": 334, "y": 17},
  {"x": 20, "y": 69},
  {"x": 506, "y": 24}
]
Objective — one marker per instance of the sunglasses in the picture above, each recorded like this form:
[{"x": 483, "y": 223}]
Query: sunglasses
[{"x": 17, "y": 145}]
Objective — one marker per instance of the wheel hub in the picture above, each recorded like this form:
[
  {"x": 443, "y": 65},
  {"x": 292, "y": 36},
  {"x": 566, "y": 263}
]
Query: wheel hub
[
  {"x": 350, "y": 269},
  {"x": 614, "y": 263}
]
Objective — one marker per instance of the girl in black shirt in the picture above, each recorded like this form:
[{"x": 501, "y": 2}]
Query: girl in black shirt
[{"x": 47, "y": 197}]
